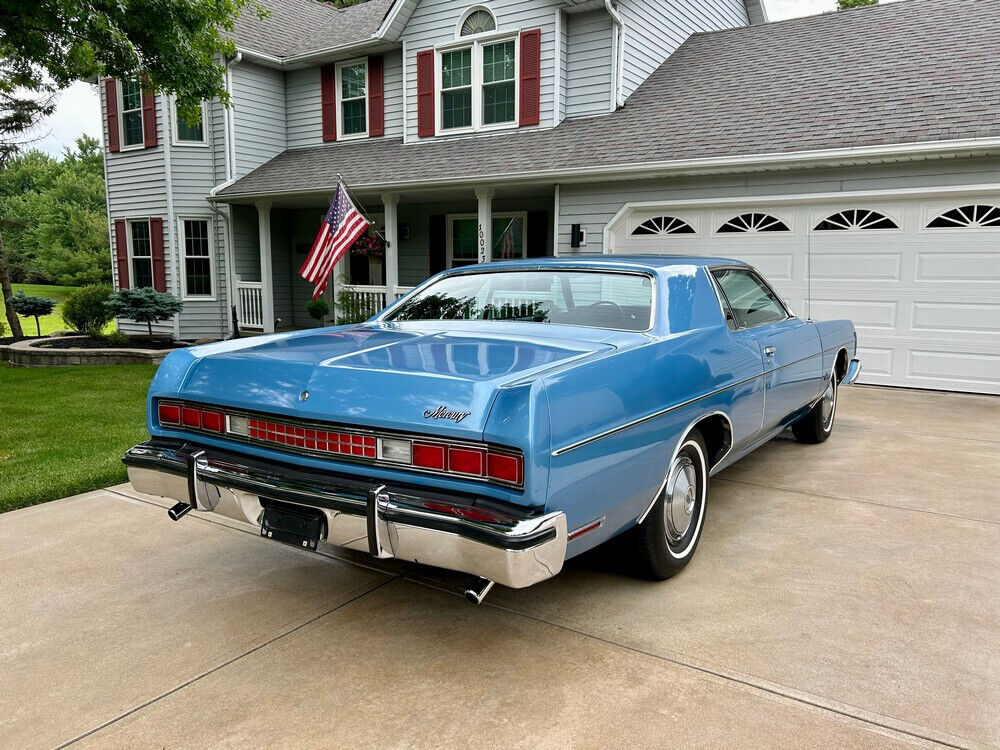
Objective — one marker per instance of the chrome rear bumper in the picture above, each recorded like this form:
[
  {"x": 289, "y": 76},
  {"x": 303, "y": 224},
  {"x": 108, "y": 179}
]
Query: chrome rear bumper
[
  {"x": 387, "y": 522},
  {"x": 853, "y": 370}
]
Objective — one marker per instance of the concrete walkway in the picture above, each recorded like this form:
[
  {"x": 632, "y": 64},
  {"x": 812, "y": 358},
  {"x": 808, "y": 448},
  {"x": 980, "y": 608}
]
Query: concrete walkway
[{"x": 843, "y": 595}]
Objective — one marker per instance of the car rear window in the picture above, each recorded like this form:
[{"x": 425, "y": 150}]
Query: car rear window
[{"x": 619, "y": 301}]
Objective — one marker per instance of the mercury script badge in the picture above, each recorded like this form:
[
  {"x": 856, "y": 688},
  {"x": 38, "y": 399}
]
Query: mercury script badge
[{"x": 443, "y": 412}]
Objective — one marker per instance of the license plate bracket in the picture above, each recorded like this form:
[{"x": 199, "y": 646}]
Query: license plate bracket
[{"x": 299, "y": 527}]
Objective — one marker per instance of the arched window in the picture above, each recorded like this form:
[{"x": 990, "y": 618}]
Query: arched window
[
  {"x": 968, "y": 217},
  {"x": 754, "y": 222},
  {"x": 663, "y": 225},
  {"x": 477, "y": 21},
  {"x": 855, "y": 219}
]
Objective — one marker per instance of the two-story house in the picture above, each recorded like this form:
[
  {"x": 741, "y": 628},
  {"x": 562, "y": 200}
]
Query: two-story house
[{"x": 854, "y": 157}]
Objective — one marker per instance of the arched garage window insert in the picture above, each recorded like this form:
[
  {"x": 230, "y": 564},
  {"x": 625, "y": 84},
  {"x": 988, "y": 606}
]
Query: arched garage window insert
[
  {"x": 754, "y": 222},
  {"x": 663, "y": 225},
  {"x": 968, "y": 217},
  {"x": 856, "y": 219}
]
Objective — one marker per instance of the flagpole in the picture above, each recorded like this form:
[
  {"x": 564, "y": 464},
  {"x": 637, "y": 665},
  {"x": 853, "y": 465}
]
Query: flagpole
[{"x": 374, "y": 227}]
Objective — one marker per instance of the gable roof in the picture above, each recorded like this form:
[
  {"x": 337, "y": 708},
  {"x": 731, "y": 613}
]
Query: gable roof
[
  {"x": 300, "y": 26},
  {"x": 912, "y": 72}
]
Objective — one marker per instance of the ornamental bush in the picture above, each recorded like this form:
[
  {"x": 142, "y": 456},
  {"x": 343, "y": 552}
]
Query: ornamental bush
[
  {"x": 84, "y": 310},
  {"x": 144, "y": 305},
  {"x": 318, "y": 308},
  {"x": 33, "y": 307}
]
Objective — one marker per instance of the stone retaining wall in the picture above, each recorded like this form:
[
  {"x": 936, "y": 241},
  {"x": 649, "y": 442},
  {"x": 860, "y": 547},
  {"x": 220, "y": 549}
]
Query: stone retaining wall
[{"x": 28, "y": 354}]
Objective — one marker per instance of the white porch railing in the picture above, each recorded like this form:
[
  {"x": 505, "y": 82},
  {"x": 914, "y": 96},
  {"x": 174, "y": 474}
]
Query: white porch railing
[
  {"x": 366, "y": 300},
  {"x": 250, "y": 304}
]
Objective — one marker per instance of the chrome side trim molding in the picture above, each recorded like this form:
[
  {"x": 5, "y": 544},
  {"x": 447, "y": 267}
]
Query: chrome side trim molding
[{"x": 654, "y": 415}]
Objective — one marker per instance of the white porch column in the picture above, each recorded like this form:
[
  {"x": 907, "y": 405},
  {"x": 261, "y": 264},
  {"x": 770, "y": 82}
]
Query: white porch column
[
  {"x": 389, "y": 203},
  {"x": 485, "y": 197},
  {"x": 266, "y": 277}
]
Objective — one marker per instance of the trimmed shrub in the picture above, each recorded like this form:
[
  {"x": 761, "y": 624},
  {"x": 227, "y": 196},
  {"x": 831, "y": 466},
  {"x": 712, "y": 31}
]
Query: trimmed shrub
[
  {"x": 144, "y": 305},
  {"x": 116, "y": 338},
  {"x": 84, "y": 310},
  {"x": 32, "y": 307},
  {"x": 318, "y": 309}
]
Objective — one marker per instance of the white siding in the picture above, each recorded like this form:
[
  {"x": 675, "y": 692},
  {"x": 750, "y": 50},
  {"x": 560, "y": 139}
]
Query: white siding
[
  {"x": 588, "y": 63},
  {"x": 434, "y": 21},
  {"x": 259, "y": 111},
  {"x": 302, "y": 98},
  {"x": 655, "y": 28}
]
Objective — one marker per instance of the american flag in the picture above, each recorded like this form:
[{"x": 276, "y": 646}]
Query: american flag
[{"x": 341, "y": 226}]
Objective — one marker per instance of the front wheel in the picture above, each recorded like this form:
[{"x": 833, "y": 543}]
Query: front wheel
[
  {"x": 817, "y": 425},
  {"x": 666, "y": 540}
]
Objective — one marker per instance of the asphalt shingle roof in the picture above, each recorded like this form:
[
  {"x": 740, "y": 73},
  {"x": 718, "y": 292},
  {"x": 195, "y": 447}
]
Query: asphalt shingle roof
[
  {"x": 906, "y": 72},
  {"x": 299, "y": 26}
]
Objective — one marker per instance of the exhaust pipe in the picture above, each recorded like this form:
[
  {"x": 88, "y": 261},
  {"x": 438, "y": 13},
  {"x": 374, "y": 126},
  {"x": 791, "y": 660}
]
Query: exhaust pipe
[
  {"x": 179, "y": 511},
  {"x": 478, "y": 590}
]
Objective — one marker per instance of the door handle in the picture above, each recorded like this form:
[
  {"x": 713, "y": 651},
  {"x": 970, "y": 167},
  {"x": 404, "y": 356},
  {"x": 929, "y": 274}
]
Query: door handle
[{"x": 769, "y": 351}]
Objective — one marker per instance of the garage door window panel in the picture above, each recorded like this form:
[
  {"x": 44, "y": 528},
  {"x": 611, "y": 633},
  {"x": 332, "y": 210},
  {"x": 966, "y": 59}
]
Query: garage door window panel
[
  {"x": 753, "y": 222},
  {"x": 663, "y": 225},
  {"x": 856, "y": 220},
  {"x": 750, "y": 299},
  {"x": 977, "y": 216}
]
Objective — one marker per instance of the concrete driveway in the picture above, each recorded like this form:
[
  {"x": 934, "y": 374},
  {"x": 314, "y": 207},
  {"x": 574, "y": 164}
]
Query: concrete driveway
[{"x": 844, "y": 595}]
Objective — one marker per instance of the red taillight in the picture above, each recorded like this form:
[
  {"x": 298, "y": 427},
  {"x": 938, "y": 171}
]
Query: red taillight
[
  {"x": 213, "y": 421},
  {"x": 191, "y": 417},
  {"x": 466, "y": 461},
  {"x": 428, "y": 456},
  {"x": 169, "y": 414},
  {"x": 505, "y": 467}
]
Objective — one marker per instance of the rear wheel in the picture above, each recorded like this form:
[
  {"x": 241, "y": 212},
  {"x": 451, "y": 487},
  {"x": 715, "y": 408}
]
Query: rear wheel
[
  {"x": 817, "y": 425},
  {"x": 666, "y": 540}
]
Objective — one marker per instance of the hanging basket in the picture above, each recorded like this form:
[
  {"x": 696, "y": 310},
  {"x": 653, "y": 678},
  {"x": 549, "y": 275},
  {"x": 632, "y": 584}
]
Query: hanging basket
[{"x": 369, "y": 244}]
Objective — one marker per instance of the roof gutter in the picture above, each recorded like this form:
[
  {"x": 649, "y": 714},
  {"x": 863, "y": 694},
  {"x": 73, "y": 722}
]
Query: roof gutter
[
  {"x": 305, "y": 58},
  {"x": 710, "y": 165}
]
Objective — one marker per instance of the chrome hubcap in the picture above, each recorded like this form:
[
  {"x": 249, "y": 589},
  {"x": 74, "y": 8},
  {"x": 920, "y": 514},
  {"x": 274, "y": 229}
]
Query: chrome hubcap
[
  {"x": 829, "y": 404},
  {"x": 681, "y": 495}
]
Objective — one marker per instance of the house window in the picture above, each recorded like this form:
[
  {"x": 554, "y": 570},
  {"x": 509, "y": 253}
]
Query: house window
[
  {"x": 856, "y": 219},
  {"x": 663, "y": 225},
  {"x": 509, "y": 238},
  {"x": 197, "y": 258},
  {"x": 131, "y": 92},
  {"x": 186, "y": 132},
  {"x": 141, "y": 253},
  {"x": 477, "y": 21},
  {"x": 753, "y": 222},
  {"x": 478, "y": 85},
  {"x": 968, "y": 217},
  {"x": 352, "y": 90}
]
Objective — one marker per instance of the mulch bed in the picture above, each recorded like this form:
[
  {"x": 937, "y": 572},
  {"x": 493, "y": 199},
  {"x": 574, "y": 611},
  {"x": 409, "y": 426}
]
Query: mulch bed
[{"x": 134, "y": 342}]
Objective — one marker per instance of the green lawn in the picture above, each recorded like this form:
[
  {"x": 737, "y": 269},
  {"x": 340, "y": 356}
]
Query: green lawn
[
  {"x": 63, "y": 430},
  {"x": 49, "y": 323}
]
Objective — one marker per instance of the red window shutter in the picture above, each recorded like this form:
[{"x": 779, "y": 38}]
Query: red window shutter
[
  {"x": 328, "y": 101},
  {"x": 531, "y": 74},
  {"x": 425, "y": 93},
  {"x": 376, "y": 96},
  {"x": 148, "y": 118},
  {"x": 111, "y": 112},
  {"x": 121, "y": 253},
  {"x": 156, "y": 250}
]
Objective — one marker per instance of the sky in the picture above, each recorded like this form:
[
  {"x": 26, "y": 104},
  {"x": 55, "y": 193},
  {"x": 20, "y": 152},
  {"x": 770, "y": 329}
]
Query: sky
[{"x": 78, "y": 112}]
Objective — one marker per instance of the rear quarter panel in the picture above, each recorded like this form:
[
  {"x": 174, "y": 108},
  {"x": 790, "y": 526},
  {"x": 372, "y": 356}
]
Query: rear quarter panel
[{"x": 836, "y": 335}]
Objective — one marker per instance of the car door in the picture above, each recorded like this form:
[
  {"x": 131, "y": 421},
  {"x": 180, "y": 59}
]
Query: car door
[{"x": 790, "y": 347}]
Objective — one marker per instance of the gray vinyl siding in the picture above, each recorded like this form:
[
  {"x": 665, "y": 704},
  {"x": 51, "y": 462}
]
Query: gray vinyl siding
[
  {"x": 655, "y": 28},
  {"x": 259, "y": 112},
  {"x": 588, "y": 63},
  {"x": 246, "y": 243},
  {"x": 593, "y": 205},
  {"x": 302, "y": 101},
  {"x": 561, "y": 54},
  {"x": 433, "y": 23}
]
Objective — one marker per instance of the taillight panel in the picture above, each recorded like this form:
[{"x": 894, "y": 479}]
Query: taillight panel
[{"x": 431, "y": 455}]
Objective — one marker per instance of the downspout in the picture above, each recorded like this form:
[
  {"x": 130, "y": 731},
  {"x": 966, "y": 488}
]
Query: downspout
[
  {"x": 230, "y": 159},
  {"x": 619, "y": 61}
]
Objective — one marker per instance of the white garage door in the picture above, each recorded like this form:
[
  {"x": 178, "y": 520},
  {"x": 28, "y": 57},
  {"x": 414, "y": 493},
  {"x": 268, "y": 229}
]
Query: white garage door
[{"x": 920, "y": 277}]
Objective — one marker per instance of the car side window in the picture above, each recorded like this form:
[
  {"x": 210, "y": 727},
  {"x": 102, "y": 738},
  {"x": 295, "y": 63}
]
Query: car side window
[{"x": 751, "y": 301}]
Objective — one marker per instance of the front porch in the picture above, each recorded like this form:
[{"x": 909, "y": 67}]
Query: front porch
[{"x": 424, "y": 233}]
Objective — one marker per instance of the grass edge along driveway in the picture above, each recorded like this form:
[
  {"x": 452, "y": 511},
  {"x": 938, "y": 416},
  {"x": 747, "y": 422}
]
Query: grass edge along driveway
[{"x": 63, "y": 430}]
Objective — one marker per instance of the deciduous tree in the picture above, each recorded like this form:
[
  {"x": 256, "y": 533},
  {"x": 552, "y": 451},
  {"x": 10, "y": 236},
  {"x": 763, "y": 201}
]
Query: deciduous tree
[{"x": 848, "y": 4}]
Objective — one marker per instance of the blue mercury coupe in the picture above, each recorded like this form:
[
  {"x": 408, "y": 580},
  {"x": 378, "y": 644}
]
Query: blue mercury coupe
[{"x": 500, "y": 418}]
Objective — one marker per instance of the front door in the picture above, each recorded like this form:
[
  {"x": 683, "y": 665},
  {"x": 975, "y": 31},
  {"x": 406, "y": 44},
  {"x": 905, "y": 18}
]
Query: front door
[{"x": 790, "y": 347}]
